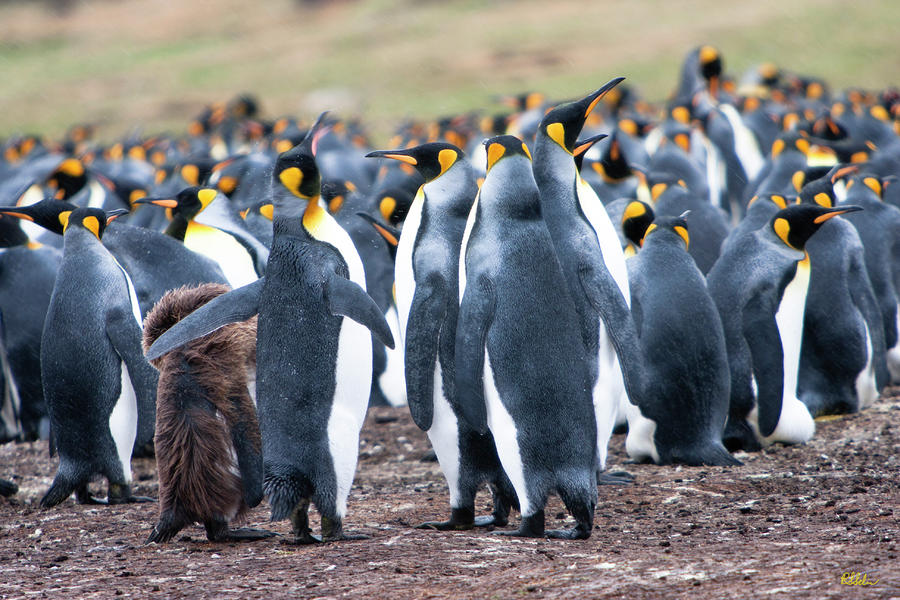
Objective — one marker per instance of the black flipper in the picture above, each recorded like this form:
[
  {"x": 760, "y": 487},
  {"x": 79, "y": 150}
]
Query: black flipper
[
  {"x": 124, "y": 334},
  {"x": 234, "y": 306},
  {"x": 761, "y": 333},
  {"x": 476, "y": 312},
  {"x": 426, "y": 314},
  {"x": 606, "y": 298},
  {"x": 347, "y": 299}
]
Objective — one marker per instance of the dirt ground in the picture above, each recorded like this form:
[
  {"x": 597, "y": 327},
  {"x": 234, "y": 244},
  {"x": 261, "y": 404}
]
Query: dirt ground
[{"x": 789, "y": 523}]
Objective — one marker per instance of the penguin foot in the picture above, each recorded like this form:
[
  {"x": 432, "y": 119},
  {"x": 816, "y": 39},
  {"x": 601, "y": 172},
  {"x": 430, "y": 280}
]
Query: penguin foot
[
  {"x": 579, "y": 532},
  {"x": 491, "y": 521},
  {"x": 8, "y": 488},
  {"x": 615, "y": 478},
  {"x": 120, "y": 493},
  {"x": 461, "y": 519},
  {"x": 83, "y": 496},
  {"x": 333, "y": 531},
  {"x": 302, "y": 540},
  {"x": 248, "y": 534},
  {"x": 530, "y": 527}
]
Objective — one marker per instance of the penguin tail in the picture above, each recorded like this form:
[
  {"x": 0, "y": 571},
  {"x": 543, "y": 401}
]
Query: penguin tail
[
  {"x": 285, "y": 488},
  {"x": 65, "y": 482}
]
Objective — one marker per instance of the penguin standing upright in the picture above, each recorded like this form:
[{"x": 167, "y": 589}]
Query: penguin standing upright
[
  {"x": 592, "y": 260},
  {"x": 842, "y": 361},
  {"x": 208, "y": 448},
  {"x": 521, "y": 366},
  {"x": 427, "y": 290},
  {"x": 313, "y": 349},
  {"x": 93, "y": 371},
  {"x": 760, "y": 287},
  {"x": 687, "y": 382}
]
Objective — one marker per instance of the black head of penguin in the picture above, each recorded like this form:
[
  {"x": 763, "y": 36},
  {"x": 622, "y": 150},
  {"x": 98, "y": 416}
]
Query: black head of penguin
[
  {"x": 393, "y": 204},
  {"x": 790, "y": 141},
  {"x": 68, "y": 179},
  {"x": 563, "y": 124},
  {"x": 636, "y": 219},
  {"x": 431, "y": 160},
  {"x": 711, "y": 65},
  {"x": 187, "y": 203},
  {"x": 296, "y": 170},
  {"x": 335, "y": 193},
  {"x": 49, "y": 214},
  {"x": 504, "y": 146},
  {"x": 666, "y": 227},
  {"x": 797, "y": 223},
  {"x": 614, "y": 163},
  {"x": 94, "y": 220}
]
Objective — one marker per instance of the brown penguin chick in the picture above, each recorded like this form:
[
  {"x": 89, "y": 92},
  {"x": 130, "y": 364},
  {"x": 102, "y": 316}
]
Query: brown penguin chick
[{"x": 208, "y": 446}]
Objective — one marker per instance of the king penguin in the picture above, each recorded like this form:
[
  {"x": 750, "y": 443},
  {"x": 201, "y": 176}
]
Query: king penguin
[
  {"x": 313, "y": 349},
  {"x": 686, "y": 365},
  {"x": 92, "y": 367},
  {"x": 202, "y": 220},
  {"x": 760, "y": 288},
  {"x": 427, "y": 291},
  {"x": 593, "y": 263},
  {"x": 842, "y": 361},
  {"x": 521, "y": 367}
]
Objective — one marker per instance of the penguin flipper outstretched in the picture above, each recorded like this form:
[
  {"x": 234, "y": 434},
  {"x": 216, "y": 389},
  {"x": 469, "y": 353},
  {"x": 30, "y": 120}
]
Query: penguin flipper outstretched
[
  {"x": 249, "y": 460},
  {"x": 476, "y": 312},
  {"x": 429, "y": 306},
  {"x": 606, "y": 298},
  {"x": 761, "y": 332},
  {"x": 125, "y": 336},
  {"x": 347, "y": 299},
  {"x": 237, "y": 305}
]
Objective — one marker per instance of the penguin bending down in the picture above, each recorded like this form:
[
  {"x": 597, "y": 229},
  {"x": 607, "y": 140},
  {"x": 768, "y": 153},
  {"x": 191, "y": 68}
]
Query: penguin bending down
[
  {"x": 427, "y": 290},
  {"x": 313, "y": 349},
  {"x": 592, "y": 261},
  {"x": 760, "y": 288},
  {"x": 93, "y": 371},
  {"x": 687, "y": 382},
  {"x": 208, "y": 448},
  {"x": 521, "y": 366}
]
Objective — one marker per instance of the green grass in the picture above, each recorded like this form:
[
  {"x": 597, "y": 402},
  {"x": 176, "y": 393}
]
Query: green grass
[{"x": 126, "y": 63}]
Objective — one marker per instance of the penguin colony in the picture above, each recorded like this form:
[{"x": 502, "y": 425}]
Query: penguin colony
[{"x": 712, "y": 275}]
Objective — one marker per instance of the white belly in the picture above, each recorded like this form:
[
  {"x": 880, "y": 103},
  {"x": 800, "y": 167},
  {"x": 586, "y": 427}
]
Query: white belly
[
  {"x": 444, "y": 436},
  {"x": 607, "y": 393},
  {"x": 893, "y": 356},
  {"x": 353, "y": 375},
  {"x": 795, "y": 425},
  {"x": 503, "y": 428},
  {"x": 607, "y": 238},
  {"x": 404, "y": 277},
  {"x": 392, "y": 382},
  {"x": 232, "y": 257},
  {"x": 639, "y": 443},
  {"x": 123, "y": 422},
  {"x": 866, "y": 386}
]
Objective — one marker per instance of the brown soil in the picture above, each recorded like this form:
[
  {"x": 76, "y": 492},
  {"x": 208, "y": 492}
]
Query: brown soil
[{"x": 786, "y": 524}]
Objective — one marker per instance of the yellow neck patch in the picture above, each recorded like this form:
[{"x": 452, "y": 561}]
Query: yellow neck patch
[
  {"x": 557, "y": 133},
  {"x": 823, "y": 199},
  {"x": 684, "y": 235},
  {"x": 72, "y": 167},
  {"x": 387, "y": 206},
  {"x": 446, "y": 158},
  {"x": 873, "y": 184},
  {"x": 315, "y": 218},
  {"x": 647, "y": 232},
  {"x": 633, "y": 210},
  {"x": 291, "y": 178},
  {"x": 495, "y": 152},
  {"x": 205, "y": 196},
  {"x": 92, "y": 224},
  {"x": 782, "y": 229},
  {"x": 191, "y": 174}
]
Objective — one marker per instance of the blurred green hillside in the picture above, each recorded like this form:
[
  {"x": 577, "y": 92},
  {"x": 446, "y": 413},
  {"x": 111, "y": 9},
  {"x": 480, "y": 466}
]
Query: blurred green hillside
[{"x": 152, "y": 64}]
